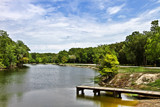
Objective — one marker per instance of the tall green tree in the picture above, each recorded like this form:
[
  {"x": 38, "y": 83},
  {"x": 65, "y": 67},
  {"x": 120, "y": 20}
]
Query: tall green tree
[
  {"x": 135, "y": 48},
  {"x": 22, "y": 53},
  {"x": 153, "y": 43},
  {"x": 7, "y": 49},
  {"x": 12, "y": 53},
  {"x": 154, "y": 26},
  {"x": 153, "y": 48}
]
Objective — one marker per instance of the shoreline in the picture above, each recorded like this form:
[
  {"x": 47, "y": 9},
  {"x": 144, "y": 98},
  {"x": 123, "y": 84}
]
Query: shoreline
[
  {"x": 149, "y": 103},
  {"x": 91, "y": 66}
]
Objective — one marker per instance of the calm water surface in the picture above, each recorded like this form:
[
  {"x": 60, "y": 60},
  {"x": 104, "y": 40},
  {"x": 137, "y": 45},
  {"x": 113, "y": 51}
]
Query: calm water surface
[{"x": 52, "y": 86}]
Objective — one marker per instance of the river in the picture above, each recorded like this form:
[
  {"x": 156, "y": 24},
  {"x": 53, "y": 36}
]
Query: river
[{"x": 52, "y": 86}]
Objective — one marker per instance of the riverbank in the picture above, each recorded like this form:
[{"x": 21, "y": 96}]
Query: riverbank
[
  {"x": 149, "y": 103},
  {"x": 139, "y": 81},
  {"x": 130, "y": 77},
  {"x": 91, "y": 66},
  {"x": 133, "y": 78}
]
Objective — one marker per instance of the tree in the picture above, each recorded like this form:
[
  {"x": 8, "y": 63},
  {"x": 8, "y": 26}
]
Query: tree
[
  {"x": 153, "y": 43},
  {"x": 154, "y": 26},
  {"x": 12, "y": 53},
  {"x": 108, "y": 65},
  {"x": 72, "y": 58},
  {"x": 135, "y": 48},
  {"x": 62, "y": 57},
  {"x": 153, "y": 48},
  {"x": 120, "y": 53},
  {"x": 21, "y": 53},
  {"x": 44, "y": 60},
  {"x": 7, "y": 50}
]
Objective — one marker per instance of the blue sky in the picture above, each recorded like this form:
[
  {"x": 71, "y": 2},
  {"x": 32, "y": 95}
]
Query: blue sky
[{"x": 54, "y": 25}]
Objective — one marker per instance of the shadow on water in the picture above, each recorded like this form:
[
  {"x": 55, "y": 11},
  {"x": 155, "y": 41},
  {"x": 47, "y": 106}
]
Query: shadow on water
[
  {"x": 10, "y": 81},
  {"x": 106, "y": 101}
]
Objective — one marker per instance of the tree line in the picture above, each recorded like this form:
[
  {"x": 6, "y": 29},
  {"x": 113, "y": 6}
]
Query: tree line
[
  {"x": 12, "y": 53},
  {"x": 42, "y": 58},
  {"x": 137, "y": 49}
]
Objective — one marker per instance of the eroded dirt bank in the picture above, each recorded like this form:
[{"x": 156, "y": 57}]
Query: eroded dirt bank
[
  {"x": 132, "y": 81},
  {"x": 135, "y": 81}
]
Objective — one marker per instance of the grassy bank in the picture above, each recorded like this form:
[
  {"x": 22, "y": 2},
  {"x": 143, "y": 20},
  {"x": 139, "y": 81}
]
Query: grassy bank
[
  {"x": 133, "y": 77},
  {"x": 122, "y": 69},
  {"x": 135, "y": 69}
]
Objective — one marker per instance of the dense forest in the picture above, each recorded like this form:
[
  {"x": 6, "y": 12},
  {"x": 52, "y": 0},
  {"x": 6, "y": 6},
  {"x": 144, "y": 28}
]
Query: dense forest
[
  {"x": 12, "y": 53},
  {"x": 138, "y": 49}
]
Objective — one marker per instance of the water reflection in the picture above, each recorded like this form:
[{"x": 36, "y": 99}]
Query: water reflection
[
  {"x": 105, "y": 101},
  {"x": 11, "y": 83}
]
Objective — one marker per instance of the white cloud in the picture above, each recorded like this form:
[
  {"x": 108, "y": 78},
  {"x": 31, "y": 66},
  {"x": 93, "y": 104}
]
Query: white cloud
[
  {"x": 17, "y": 10},
  {"x": 115, "y": 9},
  {"x": 56, "y": 48},
  {"x": 57, "y": 32}
]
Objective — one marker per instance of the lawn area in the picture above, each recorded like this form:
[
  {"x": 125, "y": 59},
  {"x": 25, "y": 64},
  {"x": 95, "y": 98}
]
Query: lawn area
[
  {"x": 155, "y": 84},
  {"x": 126, "y": 69}
]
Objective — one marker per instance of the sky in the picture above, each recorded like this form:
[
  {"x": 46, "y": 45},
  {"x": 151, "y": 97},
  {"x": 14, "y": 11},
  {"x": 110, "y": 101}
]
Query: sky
[{"x": 55, "y": 25}]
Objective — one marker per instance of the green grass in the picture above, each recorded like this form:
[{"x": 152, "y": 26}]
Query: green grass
[
  {"x": 138, "y": 70},
  {"x": 155, "y": 84}
]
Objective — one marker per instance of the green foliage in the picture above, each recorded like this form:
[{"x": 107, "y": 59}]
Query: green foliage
[
  {"x": 134, "y": 48},
  {"x": 155, "y": 84},
  {"x": 153, "y": 43},
  {"x": 108, "y": 65},
  {"x": 72, "y": 58},
  {"x": 87, "y": 55},
  {"x": 62, "y": 57},
  {"x": 137, "y": 70},
  {"x": 2, "y": 66},
  {"x": 12, "y": 53},
  {"x": 153, "y": 47},
  {"x": 120, "y": 52},
  {"x": 42, "y": 58},
  {"x": 154, "y": 26},
  {"x": 22, "y": 53}
]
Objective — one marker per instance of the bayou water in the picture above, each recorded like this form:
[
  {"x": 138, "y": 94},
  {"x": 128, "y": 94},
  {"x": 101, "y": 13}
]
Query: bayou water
[{"x": 52, "y": 86}]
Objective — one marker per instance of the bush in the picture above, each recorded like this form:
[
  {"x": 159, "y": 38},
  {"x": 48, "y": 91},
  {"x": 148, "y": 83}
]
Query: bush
[{"x": 108, "y": 65}]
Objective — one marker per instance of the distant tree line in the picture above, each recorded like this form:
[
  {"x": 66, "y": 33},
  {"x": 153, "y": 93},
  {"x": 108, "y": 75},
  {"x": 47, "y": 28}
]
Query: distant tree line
[
  {"x": 12, "y": 53},
  {"x": 42, "y": 58}
]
